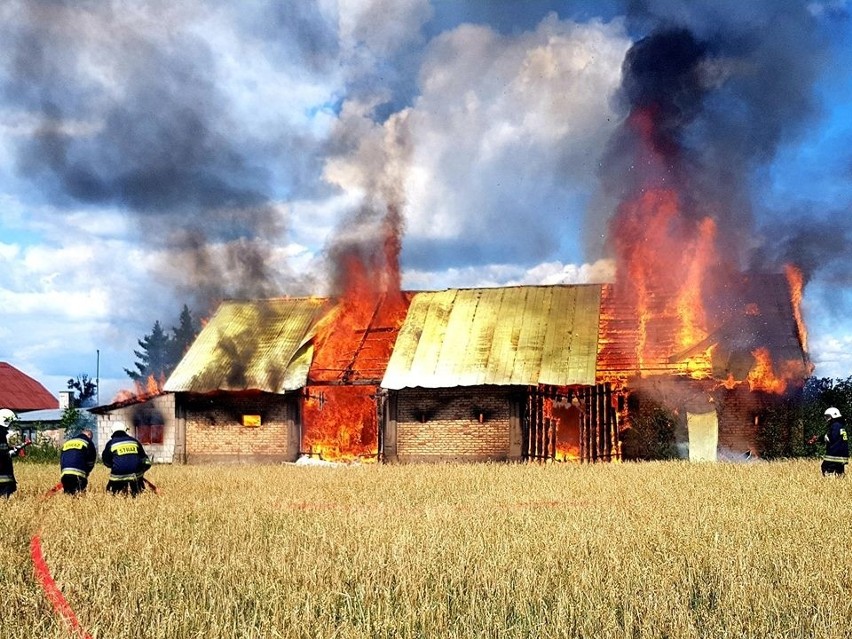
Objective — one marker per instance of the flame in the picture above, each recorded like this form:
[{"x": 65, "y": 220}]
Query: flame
[
  {"x": 663, "y": 259},
  {"x": 796, "y": 280},
  {"x": 341, "y": 422},
  {"x": 762, "y": 375},
  {"x": 151, "y": 387},
  {"x": 730, "y": 383},
  {"x": 352, "y": 346},
  {"x": 566, "y": 422}
]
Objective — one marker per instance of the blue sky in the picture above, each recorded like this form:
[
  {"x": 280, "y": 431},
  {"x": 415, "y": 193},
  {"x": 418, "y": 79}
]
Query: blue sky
[{"x": 159, "y": 153}]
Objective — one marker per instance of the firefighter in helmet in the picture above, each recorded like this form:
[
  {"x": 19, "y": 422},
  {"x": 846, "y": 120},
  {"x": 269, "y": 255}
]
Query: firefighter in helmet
[
  {"x": 836, "y": 444},
  {"x": 127, "y": 461},
  {"x": 8, "y": 483},
  {"x": 76, "y": 461}
]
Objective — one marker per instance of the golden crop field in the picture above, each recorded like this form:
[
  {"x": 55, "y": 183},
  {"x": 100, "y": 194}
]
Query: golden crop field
[{"x": 670, "y": 550}]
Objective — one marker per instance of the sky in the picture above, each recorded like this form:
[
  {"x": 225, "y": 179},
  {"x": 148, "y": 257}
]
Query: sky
[{"x": 156, "y": 153}]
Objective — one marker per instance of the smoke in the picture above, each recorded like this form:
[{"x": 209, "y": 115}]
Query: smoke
[
  {"x": 725, "y": 86},
  {"x": 158, "y": 134},
  {"x": 376, "y": 168}
]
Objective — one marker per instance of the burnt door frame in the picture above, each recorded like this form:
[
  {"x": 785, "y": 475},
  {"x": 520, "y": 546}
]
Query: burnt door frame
[{"x": 598, "y": 423}]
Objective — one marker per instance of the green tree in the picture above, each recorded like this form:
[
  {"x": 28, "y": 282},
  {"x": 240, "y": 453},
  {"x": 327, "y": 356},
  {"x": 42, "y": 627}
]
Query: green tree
[
  {"x": 161, "y": 352},
  {"x": 154, "y": 356},
  {"x": 183, "y": 335},
  {"x": 85, "y": 388},
  {"x": 73, "y": 420}
]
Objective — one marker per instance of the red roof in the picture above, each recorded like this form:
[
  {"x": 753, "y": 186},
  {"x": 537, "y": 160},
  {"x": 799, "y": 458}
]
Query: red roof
[{"x": 20, "y": 392}]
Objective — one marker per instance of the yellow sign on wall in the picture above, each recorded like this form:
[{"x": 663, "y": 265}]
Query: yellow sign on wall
[{"x": 251, "y": 420}]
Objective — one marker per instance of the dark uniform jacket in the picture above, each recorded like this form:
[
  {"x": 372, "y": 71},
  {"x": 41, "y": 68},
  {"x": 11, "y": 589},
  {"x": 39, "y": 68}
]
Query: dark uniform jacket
[
  {"x": 836, "y": 442},
  {"x": 78, "y": 456},
  {"x": 125, "y": 456},
  {"x": 7, "y": 473}
]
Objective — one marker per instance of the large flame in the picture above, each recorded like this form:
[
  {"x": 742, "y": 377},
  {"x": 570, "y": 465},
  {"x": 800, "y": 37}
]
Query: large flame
[
  {"x": 797, "y": 285},
  {"x": 341, "y": 423},
  {"x": 762, "y": 376},
  {"x": 656, "y": 320},
  {"x": 662, "y": 261},
  {"x": 351, "y": 350}
]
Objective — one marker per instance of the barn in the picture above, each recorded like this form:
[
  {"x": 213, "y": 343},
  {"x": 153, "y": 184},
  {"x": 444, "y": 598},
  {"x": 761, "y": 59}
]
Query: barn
[
  {"x": 238, "y": 390},
  {"x": 515, "y": 373}
]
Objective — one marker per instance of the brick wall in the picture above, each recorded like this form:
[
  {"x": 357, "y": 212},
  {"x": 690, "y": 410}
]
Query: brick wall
[
  {"x": 215, "y": 432},
  {"x": 738, "y": 411},
  {"x": 444, "y": 425},
  {"x": 122, "y": 419},
  {"x": 738, "y": 428}
]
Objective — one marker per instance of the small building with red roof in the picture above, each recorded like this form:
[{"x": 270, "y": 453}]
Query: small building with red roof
[{"x": 21, "y": 393}]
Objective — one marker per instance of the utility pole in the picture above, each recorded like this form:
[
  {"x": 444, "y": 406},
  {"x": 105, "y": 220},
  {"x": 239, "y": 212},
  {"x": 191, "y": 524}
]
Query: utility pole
[{"x": 98, "y": 377}]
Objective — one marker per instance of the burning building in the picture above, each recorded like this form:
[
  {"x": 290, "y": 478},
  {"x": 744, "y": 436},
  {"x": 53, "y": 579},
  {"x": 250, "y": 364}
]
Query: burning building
[
  {"x": 499, "y": 374},
  {"x": 507, "y": 373}
]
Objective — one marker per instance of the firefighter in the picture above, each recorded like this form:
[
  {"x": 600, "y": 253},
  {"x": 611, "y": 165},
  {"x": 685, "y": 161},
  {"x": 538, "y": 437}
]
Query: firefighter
[
  {"x": 76, "y": 461},
  {"x": 8, "y": 484},
  {"x": 836, "y": 444},
  {"x": 127, "y": 461}
]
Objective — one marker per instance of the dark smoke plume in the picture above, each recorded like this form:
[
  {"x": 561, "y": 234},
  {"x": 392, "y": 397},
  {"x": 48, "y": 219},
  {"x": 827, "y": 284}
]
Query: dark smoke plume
[
  {"x": 155, "y": 135},
  {"x": 725, "y": 85}
]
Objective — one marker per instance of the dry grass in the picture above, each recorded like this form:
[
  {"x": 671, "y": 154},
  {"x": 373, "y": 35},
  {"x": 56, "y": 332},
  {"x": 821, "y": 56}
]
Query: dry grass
[{"x": 652, "y": 550}]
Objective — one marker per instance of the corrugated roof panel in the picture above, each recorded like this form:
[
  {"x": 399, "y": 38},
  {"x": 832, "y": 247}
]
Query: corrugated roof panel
[
  {"x": 506, "y": 333},
  {"x": 558, "y": 337},
  {"x": 252, "y": 345},
  {"x": 409, "y": 334},
  {"x": 522, "y": 335},
  {"x": 456, "y": 356},
  {"x": 528, "y": 357},
  {"x": 582, "y": 351},
  {"x": 428, "y": 351},
  {"x": 482, "y": 335}
]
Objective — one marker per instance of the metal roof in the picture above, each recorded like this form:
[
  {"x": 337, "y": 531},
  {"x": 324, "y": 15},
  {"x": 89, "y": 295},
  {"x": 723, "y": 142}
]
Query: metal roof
[
  {"x": 515, "y": 335},
  {"x": 251, "y": 345},
  {"x": 20, "y": 392}
]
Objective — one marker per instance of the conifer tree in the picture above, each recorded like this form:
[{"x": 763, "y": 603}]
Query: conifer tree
[
  {"x": 154, "y": 356},
  {"x": 183, "y": 335}
]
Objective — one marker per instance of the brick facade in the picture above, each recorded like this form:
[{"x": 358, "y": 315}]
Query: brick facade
[
  {"x": 459, "y": 424},
  {"x": 740, "y": 411},
  {"x": 215, "y": 431}
]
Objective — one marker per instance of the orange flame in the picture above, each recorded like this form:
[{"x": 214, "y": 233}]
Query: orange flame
[
  {"x": 762, "y": 375},
  {"x": 151, "y": 387},
  {"x": 663, "y": 258},
  {"x": 794, "y": 277},
  {"x": 351, "y": 349},
  {"x": 567, "y": 424},
  {"x": 342, "y": 422}
]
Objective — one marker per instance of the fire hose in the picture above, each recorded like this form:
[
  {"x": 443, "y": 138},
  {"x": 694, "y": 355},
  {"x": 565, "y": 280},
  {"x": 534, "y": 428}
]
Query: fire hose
[{"x": 45, "y": 579}]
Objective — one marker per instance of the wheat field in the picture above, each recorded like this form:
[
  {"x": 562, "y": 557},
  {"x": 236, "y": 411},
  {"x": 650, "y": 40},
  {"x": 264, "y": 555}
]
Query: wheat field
[{"x": 671, "y": 549}]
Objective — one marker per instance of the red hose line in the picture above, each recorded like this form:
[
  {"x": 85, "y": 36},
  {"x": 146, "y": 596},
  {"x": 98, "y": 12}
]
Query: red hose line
[
  {"x": 45, "y": 579},
  {"x": 51, "y": 590}
]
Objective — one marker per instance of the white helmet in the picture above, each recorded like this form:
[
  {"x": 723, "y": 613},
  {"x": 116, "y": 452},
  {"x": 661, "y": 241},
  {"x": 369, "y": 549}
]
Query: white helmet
[{"x": 831, "y": 413}]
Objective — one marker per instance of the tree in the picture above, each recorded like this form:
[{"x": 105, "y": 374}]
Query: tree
[
  {"x": 183, "y": 335},
  {"x": 154, "y": 357},
  {"x": 74, "y": 420},
  {"x": 86, "y": 390},
  {"x": 160, "y": 352}
]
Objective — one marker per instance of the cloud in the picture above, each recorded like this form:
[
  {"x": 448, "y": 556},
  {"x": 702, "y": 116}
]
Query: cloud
[
  {"x": 490, "y": 275},
  {"x": 507, "y": 133}
]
